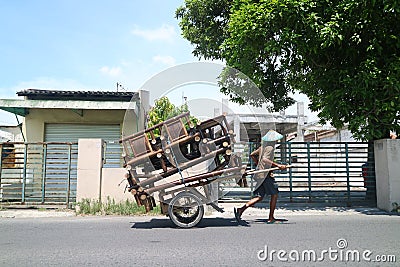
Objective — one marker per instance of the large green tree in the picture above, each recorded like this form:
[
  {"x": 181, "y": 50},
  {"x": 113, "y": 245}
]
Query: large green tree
[{"x": 343, "y": 54}]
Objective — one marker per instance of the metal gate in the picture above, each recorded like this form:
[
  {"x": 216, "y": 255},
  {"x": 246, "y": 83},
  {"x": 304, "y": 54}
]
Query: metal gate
[
  {"x": 328, "y": 172},
  {"x": 38, "y": 173},
  {"x": 72, "y": 132}
]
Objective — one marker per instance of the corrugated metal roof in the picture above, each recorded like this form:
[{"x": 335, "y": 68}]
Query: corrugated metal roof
[{"x": 39, "y": 94}]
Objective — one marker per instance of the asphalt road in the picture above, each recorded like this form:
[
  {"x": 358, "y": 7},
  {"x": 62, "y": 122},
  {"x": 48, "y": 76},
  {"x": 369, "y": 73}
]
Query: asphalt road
[{"x": 217, "y": 241}]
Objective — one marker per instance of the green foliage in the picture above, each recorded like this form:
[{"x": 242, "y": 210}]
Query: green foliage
[
  {"x": 343, "y": 54},
  {"x": 110, "y": 207},
  {"x": 163, "y": 109},
  {"x": 204, "y": 24}
]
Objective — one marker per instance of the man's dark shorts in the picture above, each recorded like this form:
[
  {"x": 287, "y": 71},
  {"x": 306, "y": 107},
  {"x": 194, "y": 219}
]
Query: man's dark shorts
[{"x": 268, "y": 187}]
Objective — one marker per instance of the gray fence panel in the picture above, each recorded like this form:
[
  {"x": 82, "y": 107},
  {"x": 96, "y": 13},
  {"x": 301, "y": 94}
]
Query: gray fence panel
[
  {"x": 329, "y": 172},
  {"x": 38, "y": 173}
]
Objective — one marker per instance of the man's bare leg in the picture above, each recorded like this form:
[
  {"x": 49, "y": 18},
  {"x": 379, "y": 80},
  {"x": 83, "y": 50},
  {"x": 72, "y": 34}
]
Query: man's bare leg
[
  {"x": 250, "y": 203},
  {"x": 272, "y": 206}
]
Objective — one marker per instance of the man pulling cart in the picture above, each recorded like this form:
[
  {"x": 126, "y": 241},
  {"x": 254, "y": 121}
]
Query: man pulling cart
[{"x": 177, "y": 163}]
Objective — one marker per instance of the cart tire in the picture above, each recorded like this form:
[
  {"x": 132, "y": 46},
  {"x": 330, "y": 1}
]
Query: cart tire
[{"x": 185, "y": 210}]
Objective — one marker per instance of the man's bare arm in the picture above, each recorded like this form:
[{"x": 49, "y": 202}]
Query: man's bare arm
[{"x": 274, "y": 164}]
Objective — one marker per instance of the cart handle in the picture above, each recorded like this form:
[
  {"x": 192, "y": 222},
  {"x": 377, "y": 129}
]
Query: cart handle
[{"x": 265, "y": 170}]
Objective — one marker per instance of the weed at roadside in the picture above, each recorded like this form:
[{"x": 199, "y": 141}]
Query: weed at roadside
[{"x": 111, "y": 207}]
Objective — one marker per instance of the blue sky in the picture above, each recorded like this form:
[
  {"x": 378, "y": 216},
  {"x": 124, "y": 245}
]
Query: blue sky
[
  {"x": 86, "y": 45},
  {"x": 70, "y": 44}
]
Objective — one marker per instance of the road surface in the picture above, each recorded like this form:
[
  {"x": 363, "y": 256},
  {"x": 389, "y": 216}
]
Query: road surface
[{"x": 217, "y": 241}]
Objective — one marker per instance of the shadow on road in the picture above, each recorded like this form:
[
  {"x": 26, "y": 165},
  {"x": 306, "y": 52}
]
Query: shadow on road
[
  {"x": 204, "y": 223},
  {"x": 361, "y": 210},
  {"x": 264, "y": 221},
  {"x": 159, "y": 223}
]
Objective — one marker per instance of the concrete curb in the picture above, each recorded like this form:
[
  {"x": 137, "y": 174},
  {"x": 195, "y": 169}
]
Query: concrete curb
[
  {"x": 259, "y": 212},
  {"x": 32, "y": 213}
]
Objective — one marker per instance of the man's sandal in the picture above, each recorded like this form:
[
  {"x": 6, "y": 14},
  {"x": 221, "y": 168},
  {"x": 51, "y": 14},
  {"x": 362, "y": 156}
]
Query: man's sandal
[{"x": 274, "y": 222}]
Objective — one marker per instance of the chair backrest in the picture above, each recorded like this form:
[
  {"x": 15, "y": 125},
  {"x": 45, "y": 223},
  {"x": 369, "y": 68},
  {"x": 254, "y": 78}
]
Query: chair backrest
[
  {"x": 140, "y": 145},
  {"x": 175, "y": 130}
]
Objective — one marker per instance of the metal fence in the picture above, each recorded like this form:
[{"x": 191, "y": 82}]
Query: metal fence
[
  {"x": 38, "y": 173},
  {"x": 328, "y": 172},
  {"x": 45, "y": 173},
  {"x": 112, "y": 154}
]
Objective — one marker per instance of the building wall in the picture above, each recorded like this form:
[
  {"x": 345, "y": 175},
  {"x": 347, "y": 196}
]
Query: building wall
[{"x": 34, "y": 125}]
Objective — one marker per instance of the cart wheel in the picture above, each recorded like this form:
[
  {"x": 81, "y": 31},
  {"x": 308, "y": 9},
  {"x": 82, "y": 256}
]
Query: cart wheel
[{"x": 185, "y": 210}]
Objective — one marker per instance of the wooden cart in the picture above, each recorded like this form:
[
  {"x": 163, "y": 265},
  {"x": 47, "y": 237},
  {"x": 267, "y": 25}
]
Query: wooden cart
[{"x": 179, "y": 163}]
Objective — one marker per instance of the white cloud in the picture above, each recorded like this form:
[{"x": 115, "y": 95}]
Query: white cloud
[
  {"x": 164, "y": 33},
  {"x": 166, "y": 60},
  {"x": 111, "y": 71}
]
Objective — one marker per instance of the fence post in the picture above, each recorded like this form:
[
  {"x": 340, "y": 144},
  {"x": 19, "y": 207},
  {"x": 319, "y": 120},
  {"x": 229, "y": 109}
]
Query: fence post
[
  {"x": 347, "y": 174},
  {"x": 250, "y": 144},
  {"x": 69, "y": 174},
  {"x": 251, "y": 167},
  {"x": 44, "y": 166},
  {"x": 1, "y": 169},
  {"x": 290, "y": 173},
  {"x": 371, "y": 185},
  {"x": 309, "y": 171},
  {"x": 24, "y": 173}
]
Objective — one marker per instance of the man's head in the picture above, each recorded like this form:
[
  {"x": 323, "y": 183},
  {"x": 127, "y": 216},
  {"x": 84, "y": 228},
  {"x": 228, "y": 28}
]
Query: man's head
[{"x": 271, "y": 136}]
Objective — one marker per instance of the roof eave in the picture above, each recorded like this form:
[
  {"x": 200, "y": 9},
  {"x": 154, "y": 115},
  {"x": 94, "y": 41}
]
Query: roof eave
[{"x": 21, "y": 107}]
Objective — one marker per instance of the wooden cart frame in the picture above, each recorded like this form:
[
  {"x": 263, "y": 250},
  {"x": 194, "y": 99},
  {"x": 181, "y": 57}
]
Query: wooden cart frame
[{"x": 171, "y": 147}]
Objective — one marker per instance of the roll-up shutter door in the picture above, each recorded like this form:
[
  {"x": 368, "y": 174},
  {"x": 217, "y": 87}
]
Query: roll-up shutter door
[{"x": 59, "y": 132}]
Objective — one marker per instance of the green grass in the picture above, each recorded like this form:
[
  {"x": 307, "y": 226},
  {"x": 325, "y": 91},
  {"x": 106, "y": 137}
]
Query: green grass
[{"x": 110, "y": 207}]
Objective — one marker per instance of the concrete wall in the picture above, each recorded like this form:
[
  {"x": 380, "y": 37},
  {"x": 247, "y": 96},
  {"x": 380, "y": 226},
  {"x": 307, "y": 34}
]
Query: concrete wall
[
  {"x": 33, "y": 126},
  {"x": 111, "y": 186},
  {"x": 387, "y": 168},
  {"x": 94, "y": 181},
  {"x": 89, "y": 169}
]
